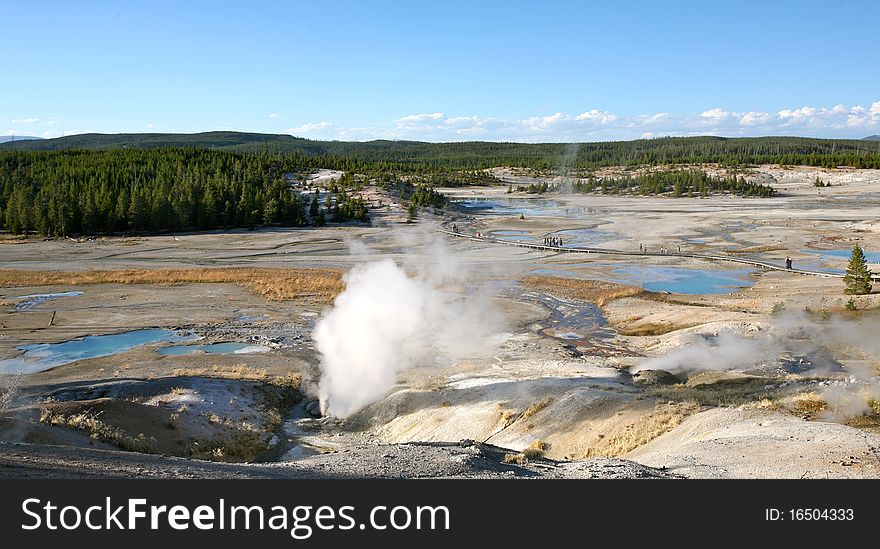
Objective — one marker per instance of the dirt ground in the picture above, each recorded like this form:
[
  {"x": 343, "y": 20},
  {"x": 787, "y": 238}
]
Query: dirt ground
[{"x": 575, "y": 397}]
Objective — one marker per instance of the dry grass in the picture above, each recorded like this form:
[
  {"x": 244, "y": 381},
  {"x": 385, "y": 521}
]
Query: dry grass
[
  {"x": 9, "y": 387},
  {"x": 272, "y": 284},
  {"x": 810, "y": 405},
  {"x": 240, "y": 372},
  {"x": 535, "y": 450},
  {"x": 514, "y": 459},
  {"x": 13, "y": 239},
  {"x": 236, "y": 446},
  {"x": 755, "y": 249},
  {"x": 535, "y": 408},
  {"x": 723, "y": 392},
  {"x": 429, "y": 383},
  {"x": 601, "y": 293},
  {"x": 4, "y": 303},
  {"x": 869, "y": 421},
  {"x": 652, "y": 328},
  {"x": 594, "y": 291},
  {"x": 90, "y": 423},
  {"x": 663, "y": 419},
  {"x": 507, "y": 416}
]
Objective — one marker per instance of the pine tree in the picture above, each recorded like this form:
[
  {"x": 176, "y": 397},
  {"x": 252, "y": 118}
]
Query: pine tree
[
  {"x": 858, "y": 277},
  {"x": 314, "y": 207}
]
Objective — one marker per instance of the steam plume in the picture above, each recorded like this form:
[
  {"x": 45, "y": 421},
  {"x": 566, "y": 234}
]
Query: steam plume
[
  {"x": 387, "y": 321},
  {"x": 796, "y": 334},
  {"x": 569, "y": 158}
]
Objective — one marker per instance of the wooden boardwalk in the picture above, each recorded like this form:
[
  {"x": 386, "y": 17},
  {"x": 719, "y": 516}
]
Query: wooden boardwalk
[{"x": 605, "y": 251}]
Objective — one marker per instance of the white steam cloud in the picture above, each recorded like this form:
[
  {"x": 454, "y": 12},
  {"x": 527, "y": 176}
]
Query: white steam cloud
[
  {"x": 387, "y": 321},
  {"x": 799, "y": 335},
  {"x": 726, "y": 351}
]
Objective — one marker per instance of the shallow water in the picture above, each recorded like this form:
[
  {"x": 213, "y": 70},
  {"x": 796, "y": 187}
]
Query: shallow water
[
  {"x": 680, "y": 280},
  {"x": 42, "y": 356},
  {"x": 513, "y": 236},
  {"x": 581, "y": 326},
  {"x": 658, "y": 278},
  {"x": 529, "y": 207},
  {"x": 584, "y": 238},
  {"x": 30, "y": 301},
  {"x": 843, "y": 255},
  {"x": 227, "y": 348}
]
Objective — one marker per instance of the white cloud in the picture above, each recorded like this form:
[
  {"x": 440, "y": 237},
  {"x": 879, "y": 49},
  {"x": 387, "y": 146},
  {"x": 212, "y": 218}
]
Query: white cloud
[
  {"x": 597, "y": 125},
  {"x": 602, "y": 117},
  {"x": 310, "y": 127},
  {"x": 755, "y": 118},
  {"x": 715, "y": 115},
  {"x": 25, "y": 121},
  {"x": 860, "y": 117},
  {"x": 539, "y": 123},
  {"x": 151, "y": 125},
  {"x": 797, "y": 115},
  {"x": 418, "y": 119},
  {"x": 274, "y": 115},
  {"x": 649, "y": 119}
]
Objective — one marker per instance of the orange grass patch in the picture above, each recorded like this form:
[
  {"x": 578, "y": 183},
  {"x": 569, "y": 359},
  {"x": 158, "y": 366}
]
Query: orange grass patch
[{"x": 274, "y": 284}]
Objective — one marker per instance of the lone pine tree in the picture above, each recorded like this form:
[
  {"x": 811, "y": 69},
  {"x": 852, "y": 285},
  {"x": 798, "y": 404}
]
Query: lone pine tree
[{"x": 858, "y": 277}]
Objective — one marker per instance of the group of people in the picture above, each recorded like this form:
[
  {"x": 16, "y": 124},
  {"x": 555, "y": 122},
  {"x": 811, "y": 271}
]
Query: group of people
[
  {"x": 554, "y": 241},
  {"x": 663, "y": 249}
]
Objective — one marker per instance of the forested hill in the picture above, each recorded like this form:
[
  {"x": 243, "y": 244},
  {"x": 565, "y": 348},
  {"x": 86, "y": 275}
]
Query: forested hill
[{"x": 420, "y": 156}]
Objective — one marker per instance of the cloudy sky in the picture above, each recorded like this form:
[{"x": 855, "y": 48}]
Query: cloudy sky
[{"x": 444, "y": 71}]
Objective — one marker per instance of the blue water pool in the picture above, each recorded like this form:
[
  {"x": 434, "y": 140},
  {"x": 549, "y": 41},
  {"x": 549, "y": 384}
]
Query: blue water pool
[
  {"x": 42, "y": 356},
  {"x": 584, "y": 238},
  {"x": 838, "y": 255},
  {"x": 684, "y": 281},
  {"x": 665, "y": 279},
  {"x": 27, "y": 302},
  {"x": 529, "y": 207},
  {"x": 512, "y": 236}
]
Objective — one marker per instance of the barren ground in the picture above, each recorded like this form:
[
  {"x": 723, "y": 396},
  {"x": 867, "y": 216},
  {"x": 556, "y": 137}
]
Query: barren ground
[{"x": 574, "y": 396}]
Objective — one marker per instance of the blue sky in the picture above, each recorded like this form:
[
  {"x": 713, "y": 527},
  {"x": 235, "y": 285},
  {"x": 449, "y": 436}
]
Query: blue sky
[{"x": 443, "y": 71}]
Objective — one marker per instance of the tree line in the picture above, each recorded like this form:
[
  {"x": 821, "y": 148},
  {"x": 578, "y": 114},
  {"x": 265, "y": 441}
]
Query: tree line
[
  {"x": 677, "y": 183},
  {"x": 172, "y": 189},
  {"x": 446, "y": 158}
]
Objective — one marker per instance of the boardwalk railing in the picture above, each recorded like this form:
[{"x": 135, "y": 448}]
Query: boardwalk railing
[{"x": 605, "y": 251}]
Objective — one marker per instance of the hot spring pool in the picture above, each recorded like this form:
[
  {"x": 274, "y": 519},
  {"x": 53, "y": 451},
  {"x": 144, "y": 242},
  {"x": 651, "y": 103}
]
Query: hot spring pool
[{"x": 42, "y": 356}]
